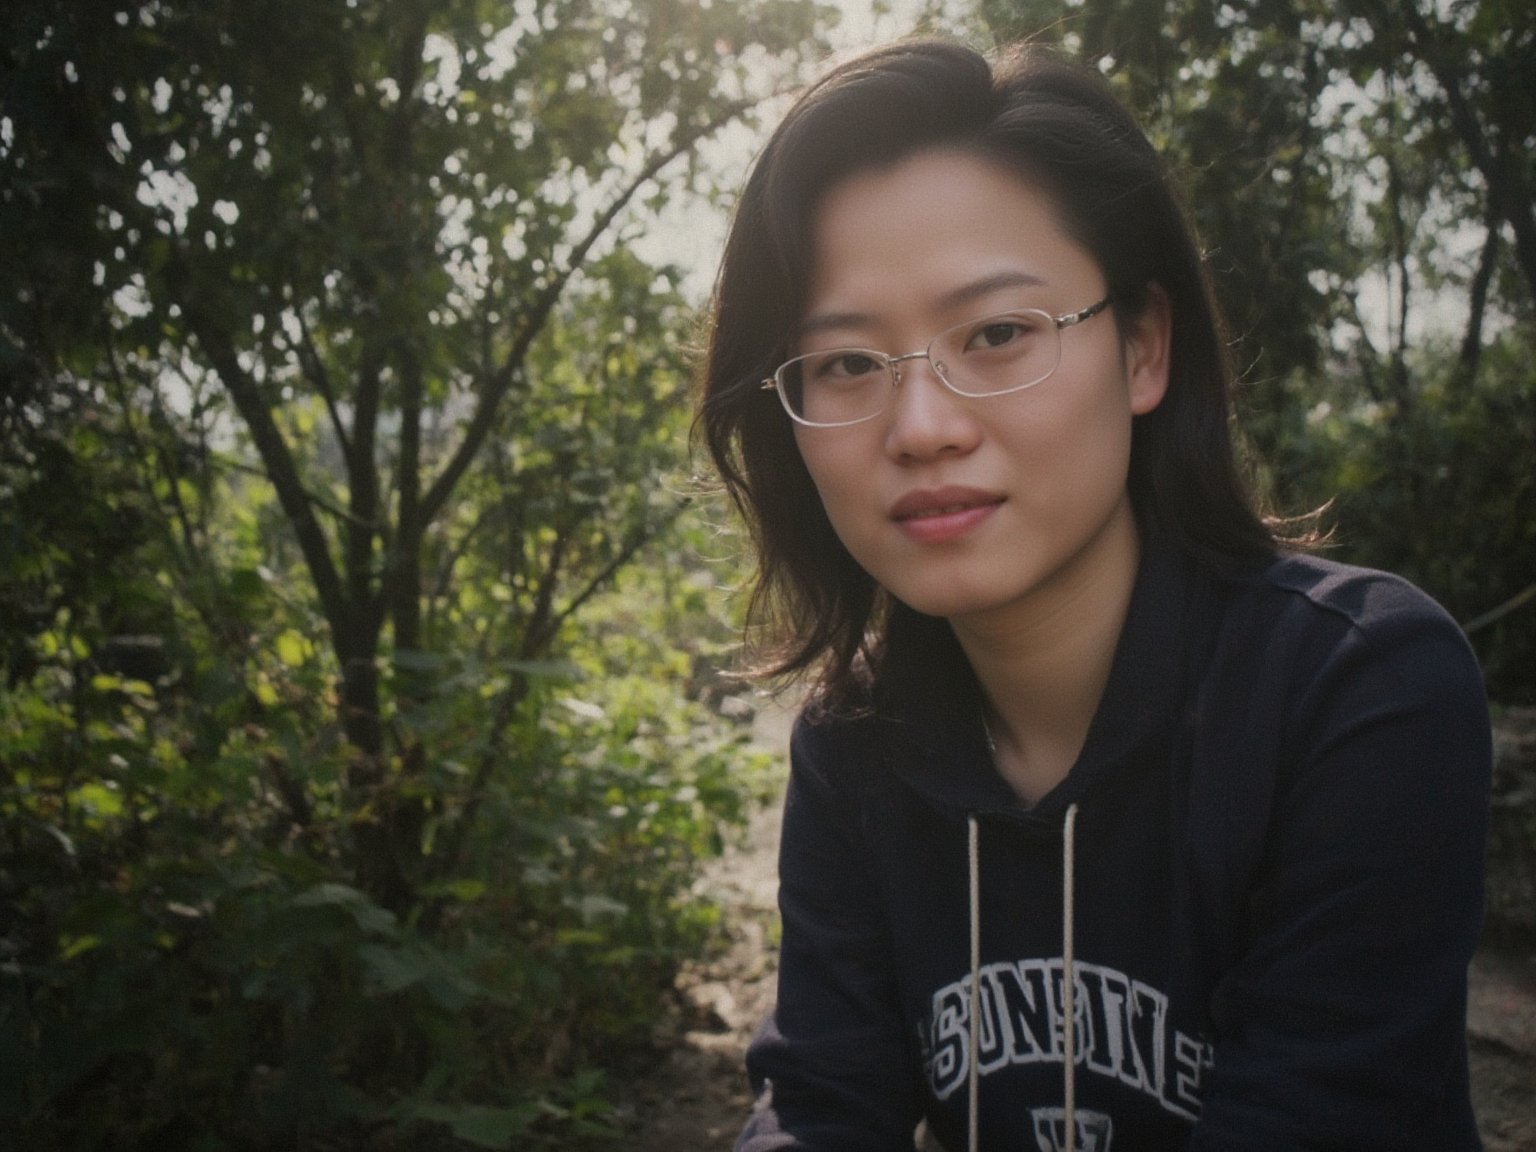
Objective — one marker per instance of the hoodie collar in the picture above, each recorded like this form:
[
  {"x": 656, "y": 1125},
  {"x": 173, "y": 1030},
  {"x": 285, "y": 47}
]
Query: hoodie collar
[{"x": 931, "y": 710}]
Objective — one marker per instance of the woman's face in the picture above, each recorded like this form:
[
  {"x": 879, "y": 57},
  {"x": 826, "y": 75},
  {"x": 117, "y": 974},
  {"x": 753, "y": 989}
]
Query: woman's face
[{"x": 965, "y": 507}]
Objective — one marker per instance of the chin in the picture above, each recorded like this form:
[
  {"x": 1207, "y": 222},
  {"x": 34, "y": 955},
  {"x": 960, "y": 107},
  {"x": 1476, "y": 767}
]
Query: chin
[{"x": 948, "y": 602}]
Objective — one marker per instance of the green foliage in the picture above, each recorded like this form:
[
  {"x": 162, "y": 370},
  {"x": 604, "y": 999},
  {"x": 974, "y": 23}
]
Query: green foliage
[
  {"x": 1230, "y": 94},
  {"x": 354, "y": 757},
  {"x": 186, "y": 962},
  {"x": 1441, "y": 491}
]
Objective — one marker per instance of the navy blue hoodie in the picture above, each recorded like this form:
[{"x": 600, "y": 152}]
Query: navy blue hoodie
[{"x": 1279, "y": 819}]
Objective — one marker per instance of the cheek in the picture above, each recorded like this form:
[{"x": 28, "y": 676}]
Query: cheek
[
  {"x": 841, "y": 482},
  {"x": 1076, "y": 445},
  {"x": 820, "y": 459},
  {"x": 1100, "y": 469}
]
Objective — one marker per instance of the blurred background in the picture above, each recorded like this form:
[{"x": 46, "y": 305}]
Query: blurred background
[{"x": 364, "y": 628}]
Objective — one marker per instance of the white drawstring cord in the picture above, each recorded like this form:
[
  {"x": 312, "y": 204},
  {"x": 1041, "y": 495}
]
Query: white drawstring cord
[
  {"x": 1068, "y": 974},
  {"x": 1068, "y": 978},
  {"x": 973, "y": 1083}
]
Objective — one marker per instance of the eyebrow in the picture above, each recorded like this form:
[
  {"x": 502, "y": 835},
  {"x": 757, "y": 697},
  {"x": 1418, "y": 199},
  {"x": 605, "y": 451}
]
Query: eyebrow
[{"x": 965, "y": 294}]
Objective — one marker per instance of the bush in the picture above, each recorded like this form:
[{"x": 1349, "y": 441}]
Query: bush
[
  {"x": 187, "y": 960},
  {"x": 1435, "y": 483}
]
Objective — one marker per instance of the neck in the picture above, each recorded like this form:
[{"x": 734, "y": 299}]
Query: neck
[{"x": 1043, "y": 662}]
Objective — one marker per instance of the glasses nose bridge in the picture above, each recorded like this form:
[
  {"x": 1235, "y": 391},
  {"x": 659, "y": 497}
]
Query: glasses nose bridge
[{"x": 922, "y": 354}]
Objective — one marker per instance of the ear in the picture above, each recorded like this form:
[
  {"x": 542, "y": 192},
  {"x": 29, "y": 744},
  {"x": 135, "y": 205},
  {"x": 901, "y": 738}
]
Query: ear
[{"x": 1148, "y": 349}]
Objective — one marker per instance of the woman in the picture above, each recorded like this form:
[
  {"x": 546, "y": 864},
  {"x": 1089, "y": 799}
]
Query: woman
[{"x": 1115, "y": 822}]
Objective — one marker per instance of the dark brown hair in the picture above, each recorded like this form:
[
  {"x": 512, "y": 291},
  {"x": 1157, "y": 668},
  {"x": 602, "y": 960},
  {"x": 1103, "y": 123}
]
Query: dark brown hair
[{"x": 1059, "y": 126}]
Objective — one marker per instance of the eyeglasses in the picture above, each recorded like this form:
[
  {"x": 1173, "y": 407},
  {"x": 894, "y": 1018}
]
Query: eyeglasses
[{"x": 992, "y": 356}]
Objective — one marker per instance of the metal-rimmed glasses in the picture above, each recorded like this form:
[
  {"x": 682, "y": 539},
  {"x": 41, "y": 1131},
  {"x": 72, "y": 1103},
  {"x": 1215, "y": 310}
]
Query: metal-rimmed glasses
[{"x": 990, "y": 356}]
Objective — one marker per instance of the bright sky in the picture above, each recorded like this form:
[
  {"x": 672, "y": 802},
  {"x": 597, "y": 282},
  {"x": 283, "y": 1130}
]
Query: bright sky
[{"x": 691, "y": 233}]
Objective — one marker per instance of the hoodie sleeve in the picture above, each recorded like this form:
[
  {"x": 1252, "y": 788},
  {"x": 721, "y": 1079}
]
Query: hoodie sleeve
[
  {"x": 1341, "y": 1023},
  {"x": 831, "y": 1067}
]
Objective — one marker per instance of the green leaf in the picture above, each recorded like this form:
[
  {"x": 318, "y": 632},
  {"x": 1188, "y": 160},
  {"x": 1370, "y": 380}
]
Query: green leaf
[
  {"x": 465, "y": 891},
  {"x": 246, "y": 584},
  {"x": 293, "y": 648},
  {"x": 78, "y": 946},
  {"x": 479, "y": 1125},
  {"x": 491, "y": 1127},
  {"x": 99, "y": 800},
  {"x": 368, "y": 915},
  {"x": 415, "y": 660},
  {"x": 564, "y": 669},
  {"x": 395, "y": 968}
]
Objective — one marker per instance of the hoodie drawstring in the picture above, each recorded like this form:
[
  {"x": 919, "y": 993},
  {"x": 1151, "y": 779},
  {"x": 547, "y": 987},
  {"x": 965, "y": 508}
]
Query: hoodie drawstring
[
  {"x": 973, "y": 1081},
  {"x": 1069, "y": 975},
  {"x": 1068, "y": 981}
]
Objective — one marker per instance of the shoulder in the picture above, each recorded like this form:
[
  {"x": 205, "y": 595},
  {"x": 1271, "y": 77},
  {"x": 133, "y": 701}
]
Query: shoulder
[
  {"x": 1302, "y": 651},
  {"x": 820, "y": 732},
  {"x": 1319, "y": 611},
  {"x": 832, "y": 751},
  {"x": 1333, "y": 706},
  {"x": 1360, "y": 597}
]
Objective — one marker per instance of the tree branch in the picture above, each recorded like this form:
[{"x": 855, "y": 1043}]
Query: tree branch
[
  {"x": 148, "y": 460},
  {"x": 456, "y": 838},
  {"x": 401, "y": 586},
  {"x": 1370, "y": 361},
  {"x": 1506, "y": 185},
  {"x": 281, "y": 469},
  {"x": 456, "y": 553},
  {"x": 314, "y": 368},
  {"x": 1472, "y": 340},
  {"x": 536, "y": 633},
  {"x": 638, "y": 540},
  {"x": 1494, "y": 615},
  {"x": 363, "y": 487},
  {"x": 314, "y": 498},
  {"x": 537, "y": 315}
]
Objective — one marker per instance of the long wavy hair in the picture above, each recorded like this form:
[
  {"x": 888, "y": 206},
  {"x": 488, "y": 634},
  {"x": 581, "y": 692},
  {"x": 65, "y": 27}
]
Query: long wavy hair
[{"x": 1057, "y": 125}]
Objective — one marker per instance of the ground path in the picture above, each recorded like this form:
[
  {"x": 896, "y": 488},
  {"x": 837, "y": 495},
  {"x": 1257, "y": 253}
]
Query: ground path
[{"x": 694, "y": 1097}]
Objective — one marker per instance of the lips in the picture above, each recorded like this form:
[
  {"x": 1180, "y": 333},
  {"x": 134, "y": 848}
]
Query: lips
[
  {"x": 941, "y": 502},
  {"x": 936, "y": 516}
]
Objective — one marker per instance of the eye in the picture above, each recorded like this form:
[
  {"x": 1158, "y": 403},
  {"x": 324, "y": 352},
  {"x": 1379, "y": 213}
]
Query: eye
[
  {"x": 999, "y": 332},
  {"x": 846, "y": 364}
]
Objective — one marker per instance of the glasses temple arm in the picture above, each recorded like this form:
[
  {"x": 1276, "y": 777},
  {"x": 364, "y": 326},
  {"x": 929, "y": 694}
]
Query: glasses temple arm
[{"x": 1089, "y": 312}]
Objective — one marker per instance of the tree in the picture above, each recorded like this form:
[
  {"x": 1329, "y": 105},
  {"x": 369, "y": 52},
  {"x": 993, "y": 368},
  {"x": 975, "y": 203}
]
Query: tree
[
  {"x": 370, "y": 210},
  {"x": 1482, "y": 57},
  {"x": 335, "y": 401},
  {"x": 1231, "y": 95}
]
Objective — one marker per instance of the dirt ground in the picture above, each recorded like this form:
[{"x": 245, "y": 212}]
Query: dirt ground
[{"x": 694, "y": 1097}]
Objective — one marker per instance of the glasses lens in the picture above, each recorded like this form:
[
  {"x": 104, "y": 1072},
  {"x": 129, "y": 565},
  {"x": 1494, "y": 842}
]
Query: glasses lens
[
  {"x": 999, "y": 353},
  {"x": 839, "y": 386}
]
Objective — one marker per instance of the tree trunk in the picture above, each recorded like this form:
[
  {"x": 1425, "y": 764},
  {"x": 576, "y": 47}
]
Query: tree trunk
[
  {"x": 1472, "y": 340},
  {"x": 1508, "y": 190}
]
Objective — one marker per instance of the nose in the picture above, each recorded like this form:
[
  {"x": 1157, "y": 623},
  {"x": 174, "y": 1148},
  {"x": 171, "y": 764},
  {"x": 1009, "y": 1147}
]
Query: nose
[{"x": 928, "y": 420}]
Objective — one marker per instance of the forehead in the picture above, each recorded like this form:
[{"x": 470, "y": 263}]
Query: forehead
[{"x": 939, "y": 230}]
